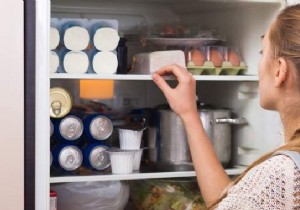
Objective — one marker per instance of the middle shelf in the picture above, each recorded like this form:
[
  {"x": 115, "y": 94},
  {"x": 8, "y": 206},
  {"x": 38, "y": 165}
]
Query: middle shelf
[
  {"x": 148, "y": 77},
  {"x": 135, "y": 176}
]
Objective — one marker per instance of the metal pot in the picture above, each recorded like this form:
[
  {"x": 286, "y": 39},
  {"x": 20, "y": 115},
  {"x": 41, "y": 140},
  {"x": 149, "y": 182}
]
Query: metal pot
[{"x": 169, "y": 149}]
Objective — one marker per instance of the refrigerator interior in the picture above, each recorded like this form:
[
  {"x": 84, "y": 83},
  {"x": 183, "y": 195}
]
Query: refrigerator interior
[
  {"x": 239, "y": 21},
  {"x": 242, "y": 22}
]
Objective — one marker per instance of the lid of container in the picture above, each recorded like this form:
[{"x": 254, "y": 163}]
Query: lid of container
[
  {"x": 60, "y": 102},
  {"x": 70, "y": 158},
  {"x": 71, "y": 127},
  {"x": 101, "y": 127},
  {"x": 99, "y": 158}
]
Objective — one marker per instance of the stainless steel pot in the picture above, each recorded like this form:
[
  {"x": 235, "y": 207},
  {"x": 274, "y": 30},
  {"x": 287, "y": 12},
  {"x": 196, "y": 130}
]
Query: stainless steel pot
[{"x": 169, "y": 148}]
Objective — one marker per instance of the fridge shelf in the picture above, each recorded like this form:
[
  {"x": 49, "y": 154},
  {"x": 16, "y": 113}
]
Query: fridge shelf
[
  {"x": 134, "y": 176},
  {"x": 148, "y": 77}
]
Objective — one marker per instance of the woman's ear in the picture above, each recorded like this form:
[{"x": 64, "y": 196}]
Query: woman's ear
[{"x": 281, "y": 72}]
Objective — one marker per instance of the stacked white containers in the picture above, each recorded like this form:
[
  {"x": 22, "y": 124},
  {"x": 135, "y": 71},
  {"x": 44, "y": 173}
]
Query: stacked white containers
[{"x": 81, "y": 46}]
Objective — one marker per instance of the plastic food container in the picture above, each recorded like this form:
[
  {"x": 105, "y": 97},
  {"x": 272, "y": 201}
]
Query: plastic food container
[
  {"x": 175, "y": 194},
  {"x": 121, "y": 161},
  {"x": 130, "y": 139}
]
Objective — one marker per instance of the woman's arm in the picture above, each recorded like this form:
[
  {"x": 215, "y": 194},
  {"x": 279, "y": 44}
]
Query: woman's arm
[{"x": 211, "y": 176}]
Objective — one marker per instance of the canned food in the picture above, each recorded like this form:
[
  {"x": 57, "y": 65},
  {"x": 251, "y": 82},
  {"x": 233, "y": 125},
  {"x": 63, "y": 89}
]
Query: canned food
[
  {"x": 67, "y": 157},
  {"x": 51, "y": 158},
  {"x": 53, "y": 200},
  {"x": 69, "y": 128},
  {"x": 97, "y": 127},
  {"x": 96, "y": 157},
  {"x": 51, "y": 128},
  {"x": 60, "y": 102}
]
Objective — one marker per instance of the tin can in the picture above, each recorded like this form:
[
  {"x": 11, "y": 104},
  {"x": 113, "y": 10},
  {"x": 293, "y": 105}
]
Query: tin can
[
  {"x": 60, "y": 102},
  {"x": 68, "y": 129},
  {"x": 51, "y": 158},
  {"x": 67, "y": 157},
  {"x": 53, "y": 200},
  {"x": 95, "y": 156},
  {"x": 51, "y": 128},
  {"x": 97, "y": 127}
]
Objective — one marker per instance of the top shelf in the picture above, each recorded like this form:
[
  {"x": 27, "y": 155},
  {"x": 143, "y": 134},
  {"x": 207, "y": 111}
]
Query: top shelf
[{"x": 148, "y": 77}]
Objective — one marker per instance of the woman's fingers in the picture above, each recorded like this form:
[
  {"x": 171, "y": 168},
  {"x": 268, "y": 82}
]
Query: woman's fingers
[
  {"x": 161, "y": 83},
  {"x": 174, "y": 69}
]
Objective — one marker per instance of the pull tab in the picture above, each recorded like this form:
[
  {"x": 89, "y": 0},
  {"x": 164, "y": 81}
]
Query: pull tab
[{"x": 56, "y": 107}]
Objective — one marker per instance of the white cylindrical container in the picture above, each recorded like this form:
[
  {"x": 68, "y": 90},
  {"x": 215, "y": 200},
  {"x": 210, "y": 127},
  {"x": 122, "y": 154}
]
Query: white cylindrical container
[
  {"x": 137, "y": 159},
  {"x": 105, "y": 38},
  {"x": 121, "y": 161},
  {"x": 75, "y": 35},
  {"x": 54, "y": 38},
  {"x": 76, "y": 62},
  {"x": 105, "y": 63},
  {"x": 130, "y": 139},
  {"x": 54, "y": 61}
]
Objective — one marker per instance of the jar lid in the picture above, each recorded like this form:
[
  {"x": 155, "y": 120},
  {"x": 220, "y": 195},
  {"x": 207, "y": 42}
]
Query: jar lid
[{"x": 60, "y": 102}]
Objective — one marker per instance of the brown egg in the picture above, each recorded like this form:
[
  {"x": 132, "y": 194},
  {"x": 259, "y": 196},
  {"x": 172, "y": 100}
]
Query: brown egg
[
  {"x": 234, "y": 58},
  {"x": 216, "y": 57},
  {"x": 197, "y": 57}
]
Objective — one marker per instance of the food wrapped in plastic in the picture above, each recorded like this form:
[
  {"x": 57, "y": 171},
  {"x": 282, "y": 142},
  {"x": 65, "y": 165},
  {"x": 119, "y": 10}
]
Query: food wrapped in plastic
[
  {"x": 106, "y": 195},
  {"x": 171, "y": 194}
]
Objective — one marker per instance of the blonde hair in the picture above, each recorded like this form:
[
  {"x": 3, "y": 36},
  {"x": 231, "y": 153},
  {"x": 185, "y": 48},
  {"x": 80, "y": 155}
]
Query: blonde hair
[{"x": 284, "y": 38}]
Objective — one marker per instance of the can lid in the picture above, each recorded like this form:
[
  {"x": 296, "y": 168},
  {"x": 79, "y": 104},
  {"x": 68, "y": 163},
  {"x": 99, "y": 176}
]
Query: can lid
[
  {"x": 101, "y": 127},
  {"x": 71, "y": 127},
  {"x": 99, "y": 158},
  {"x": 60, "y": 102},
  {"x": 70, "y": 158}
]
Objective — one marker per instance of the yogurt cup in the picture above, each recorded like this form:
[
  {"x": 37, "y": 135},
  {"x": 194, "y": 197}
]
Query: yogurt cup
[
  {"x": 137, "y": 159},
  {"x": 121, "y": 161},
  {"x": 130, "y": 139}
]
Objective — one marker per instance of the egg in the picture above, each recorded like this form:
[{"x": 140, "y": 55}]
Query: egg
[
  {"x": 216, "y": 57},
  {"x": 198, "y": 57},
  {"x": 234, "y": 58}
]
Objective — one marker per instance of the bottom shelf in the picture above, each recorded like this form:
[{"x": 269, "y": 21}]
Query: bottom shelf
[{"x": 87, "y": 176}]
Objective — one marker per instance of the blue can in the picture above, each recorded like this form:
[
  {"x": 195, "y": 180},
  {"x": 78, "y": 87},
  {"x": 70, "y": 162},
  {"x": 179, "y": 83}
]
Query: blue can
[
  {"x": 67, "y": 157},
  {"x": 97, "y": 127},
  {"x": 95, "y": 156},
  {"x": 68, "y": 129}
]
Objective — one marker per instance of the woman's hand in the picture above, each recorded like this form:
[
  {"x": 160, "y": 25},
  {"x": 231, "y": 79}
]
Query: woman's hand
[{"x": 182, "y": 98}]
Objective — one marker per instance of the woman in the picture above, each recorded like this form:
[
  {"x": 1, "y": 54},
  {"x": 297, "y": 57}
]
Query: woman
[{"x": 272, "y": 182}]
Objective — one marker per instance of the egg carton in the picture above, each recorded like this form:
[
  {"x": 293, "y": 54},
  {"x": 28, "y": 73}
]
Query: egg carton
[{"x": 208, "y": 68}]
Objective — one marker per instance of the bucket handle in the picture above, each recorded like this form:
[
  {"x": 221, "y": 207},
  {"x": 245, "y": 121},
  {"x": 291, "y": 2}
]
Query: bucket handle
[{"x": 236, "y": 121}]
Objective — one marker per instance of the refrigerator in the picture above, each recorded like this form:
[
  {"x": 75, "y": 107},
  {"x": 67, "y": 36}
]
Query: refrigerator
[{"x": 242, "y": 22}]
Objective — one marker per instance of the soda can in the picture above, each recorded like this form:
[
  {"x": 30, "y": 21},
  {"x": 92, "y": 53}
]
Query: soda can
[
  {"x": 97, "y": 127},
  {"x": 67, "y": 157},
  {"x": 95, "y": 156},
  {"x": 68, "y": 129},
  {"x": 51, "y": 128},
  {"x": 53, "y": 200},
  {"x": 60, "y": 102},
  {"x": 51, "y": 158}
]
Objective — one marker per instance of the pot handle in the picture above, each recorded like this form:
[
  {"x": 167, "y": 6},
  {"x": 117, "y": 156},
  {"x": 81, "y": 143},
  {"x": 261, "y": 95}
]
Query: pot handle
[{"x": 236, "y": 121}]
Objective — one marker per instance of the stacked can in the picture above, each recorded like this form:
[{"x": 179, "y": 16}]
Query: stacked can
[{"x": 97, "y": 129}]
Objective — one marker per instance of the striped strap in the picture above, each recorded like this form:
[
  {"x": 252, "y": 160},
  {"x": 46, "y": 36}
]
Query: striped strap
[{"x": 295, "y": 156}]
